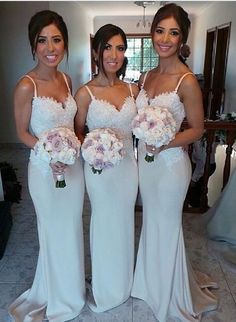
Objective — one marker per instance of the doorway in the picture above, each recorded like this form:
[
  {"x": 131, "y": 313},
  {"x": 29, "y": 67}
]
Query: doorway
[{"x": 216, "y": 55}]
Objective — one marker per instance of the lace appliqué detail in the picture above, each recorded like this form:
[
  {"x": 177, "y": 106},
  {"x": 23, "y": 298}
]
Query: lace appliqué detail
[
  {"x": 102, "y": 114},
  {"x": 170, "y": 100},
  {"x": 47, "y": 113},
  {"x": 171, "y": 156}
]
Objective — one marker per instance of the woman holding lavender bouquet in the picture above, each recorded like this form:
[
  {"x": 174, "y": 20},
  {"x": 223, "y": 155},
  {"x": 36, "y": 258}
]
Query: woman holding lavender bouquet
[
  {"x": 108, "y": 102},
  {"x": 43, "y": 102},
  {"x": 163, "y": 276}
]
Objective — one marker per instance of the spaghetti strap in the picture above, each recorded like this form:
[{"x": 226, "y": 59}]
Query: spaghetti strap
[
  {"x": 180, "y": 81},
  {"x": 130, "y": 88},
  {"x": 144, "y": 79},
  {"x": 66, "y": 81},
  {"x": 89, "y": 91},
  {"x": 35, "y": 87}
]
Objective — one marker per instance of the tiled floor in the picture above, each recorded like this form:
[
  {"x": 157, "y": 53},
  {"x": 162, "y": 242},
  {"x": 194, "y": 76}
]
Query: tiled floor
[{"x": 18, "y": 263}]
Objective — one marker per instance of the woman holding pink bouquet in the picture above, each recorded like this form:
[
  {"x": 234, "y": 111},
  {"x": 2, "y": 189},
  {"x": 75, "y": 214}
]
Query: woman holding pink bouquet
[
  {"x": 163, "y": 276},
  {"x": 44, "y": 115},
  {"x": 108, "y": 102}
]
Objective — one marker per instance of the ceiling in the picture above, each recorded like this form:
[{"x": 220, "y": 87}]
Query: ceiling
[{"x": 129, "y": 8}]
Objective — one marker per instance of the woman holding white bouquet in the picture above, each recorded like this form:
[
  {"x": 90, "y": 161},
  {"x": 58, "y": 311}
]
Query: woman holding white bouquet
[
  {"x": 163, "y": 277},
  {"x": 44, "y": 114},
  {"x": 107, "y": 105}
]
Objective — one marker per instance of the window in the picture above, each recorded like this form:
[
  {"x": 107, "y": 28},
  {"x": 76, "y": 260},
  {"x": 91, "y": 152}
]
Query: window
[{"x": 141, "y": 56}]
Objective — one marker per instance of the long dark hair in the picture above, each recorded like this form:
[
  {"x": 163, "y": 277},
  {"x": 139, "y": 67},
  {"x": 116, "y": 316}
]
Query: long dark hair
[
  {"x": 178, "y": 13},
  {"x": 102, "y": 36},
  {"x": 42, "y": 19}
]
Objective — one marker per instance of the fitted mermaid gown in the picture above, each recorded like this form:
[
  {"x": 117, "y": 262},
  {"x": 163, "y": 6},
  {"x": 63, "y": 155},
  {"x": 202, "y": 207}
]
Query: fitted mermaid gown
[
  {"x": 112, "y": 195},
  {"x": 163, "y": 277},
  {"x": 58, "y": 289}
]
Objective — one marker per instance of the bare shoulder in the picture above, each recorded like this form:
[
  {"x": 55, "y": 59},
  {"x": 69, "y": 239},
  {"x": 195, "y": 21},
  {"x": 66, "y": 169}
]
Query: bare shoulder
[
  {"x": 150, "y": 74},
  {"x": 135, "y": 89},
  {"x": 82, "y": 97},
  {"x": 24, "y": 87},
  {"x": 189, "y": 80},
  {"x": 189, "y": 86},
  {"x": 141, "y": 79},
  {"x": 68, "y": 79},
  {"x": 82, "y": 91}
]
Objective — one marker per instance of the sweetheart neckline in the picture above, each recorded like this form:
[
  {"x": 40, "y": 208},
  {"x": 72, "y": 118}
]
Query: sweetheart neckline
[
  {"x": 63, "y": 104},
  {"x": 113, "y": 105},
  {"x": 161, "y": 94}
]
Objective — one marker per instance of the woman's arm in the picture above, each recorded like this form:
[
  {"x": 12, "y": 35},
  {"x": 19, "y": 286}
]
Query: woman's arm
[
  {"x": 135, "y": 90},
  {"x": 141, "y": 79},
  {"x": 190, "y": 94},
  {"x": 83, "y": 100},
  {"x": 23, "y": 96}
]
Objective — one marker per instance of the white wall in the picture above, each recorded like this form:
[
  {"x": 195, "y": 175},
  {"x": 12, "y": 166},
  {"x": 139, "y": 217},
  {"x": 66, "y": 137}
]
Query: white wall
[
  {"x": 80, "y": 26},
  {"x": 127, "y": 23},
  {"x": 15, "y": 53},
  {"x": 15, "y": 58},
  {"x": 217, "y": 14}
]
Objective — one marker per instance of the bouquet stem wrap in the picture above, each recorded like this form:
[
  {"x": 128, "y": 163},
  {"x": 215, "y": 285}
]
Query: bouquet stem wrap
[
  {"x": 149, "y": 157},
  {"x": 60, "y": 180}
]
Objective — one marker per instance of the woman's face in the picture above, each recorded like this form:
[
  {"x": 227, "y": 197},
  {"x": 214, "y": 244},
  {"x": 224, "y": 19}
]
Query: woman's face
[
  {"x": 50, "y": 47},
  {"x": 113, "y": 54},
  {"x": 167, "y": 37}
]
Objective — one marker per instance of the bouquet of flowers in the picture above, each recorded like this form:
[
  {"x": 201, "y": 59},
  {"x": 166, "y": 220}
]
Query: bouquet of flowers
[
  {"x": 155, "y": 126},
  {"x": 102, "y": 149},
  {"x": 58, "y": 145}
]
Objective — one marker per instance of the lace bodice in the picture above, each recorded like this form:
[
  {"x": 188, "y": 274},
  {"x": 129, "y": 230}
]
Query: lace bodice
[
  {"x": 47, "y": 113},
  {"x": 169, "y": 100},
  {"x": 103, "y": 114}
]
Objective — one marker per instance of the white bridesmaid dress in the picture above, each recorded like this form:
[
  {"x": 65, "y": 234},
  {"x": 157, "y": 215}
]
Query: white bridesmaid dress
[
  {"x": 58, "y": 289},
  {"x": 163, "y": 276},
  {"x": 112, "y": 195}
]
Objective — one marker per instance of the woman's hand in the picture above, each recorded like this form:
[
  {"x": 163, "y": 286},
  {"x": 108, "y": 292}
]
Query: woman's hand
[
  {"x": 153, "y": 150},
  {"x": 58, "y": 168}
]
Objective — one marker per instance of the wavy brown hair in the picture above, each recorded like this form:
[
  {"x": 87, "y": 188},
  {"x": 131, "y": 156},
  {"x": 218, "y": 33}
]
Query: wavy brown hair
[
  {"x": 178, "y": 13},
  {"x": 42, "y": 19},
  {"x": 101, "y": 38}
]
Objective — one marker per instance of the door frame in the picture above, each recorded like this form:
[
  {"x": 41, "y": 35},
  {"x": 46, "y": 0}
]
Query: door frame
[{"x": 215, "y": 65}]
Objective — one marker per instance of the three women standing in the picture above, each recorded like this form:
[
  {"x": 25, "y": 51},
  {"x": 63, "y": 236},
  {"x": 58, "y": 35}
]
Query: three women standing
[{"x": 163, "y": 277}]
